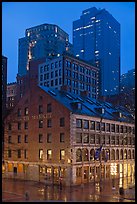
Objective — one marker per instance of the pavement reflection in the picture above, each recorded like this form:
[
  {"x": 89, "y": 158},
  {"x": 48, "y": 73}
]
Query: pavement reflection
[{"x": 106, "y": 191}]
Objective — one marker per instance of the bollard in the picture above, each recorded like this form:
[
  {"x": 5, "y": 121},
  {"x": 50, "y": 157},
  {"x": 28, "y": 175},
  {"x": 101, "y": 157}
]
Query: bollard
[{"x": 26, "y": 195}]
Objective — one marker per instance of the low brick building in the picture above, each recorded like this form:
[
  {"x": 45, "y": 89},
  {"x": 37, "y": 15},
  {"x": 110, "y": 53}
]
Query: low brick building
[{"x": 53, "y": 136}]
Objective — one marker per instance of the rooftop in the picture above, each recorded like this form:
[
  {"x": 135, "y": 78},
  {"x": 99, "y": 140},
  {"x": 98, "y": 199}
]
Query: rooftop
[{"x": 84, "y": 105}]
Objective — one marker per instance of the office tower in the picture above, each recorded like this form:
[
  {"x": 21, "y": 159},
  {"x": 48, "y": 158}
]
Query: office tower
[
  {"x": 127, "y": 90},
  {"x": 46, "y": 40},
  {"x": 70, "y": 72},
  {"x": 4, "y": 85},
  {"x": 96, "y": 38}
]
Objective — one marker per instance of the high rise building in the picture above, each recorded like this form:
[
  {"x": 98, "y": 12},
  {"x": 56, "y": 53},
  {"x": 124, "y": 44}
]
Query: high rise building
[
  {"x": 96, "y": 38},
  {"x": 127, "y": 80},
  {"x": 4, "y": 85},
  {"x": 4, "y": 90},
  {"x": 46, "y": 40},
  {"x": 127, "y": 90}
]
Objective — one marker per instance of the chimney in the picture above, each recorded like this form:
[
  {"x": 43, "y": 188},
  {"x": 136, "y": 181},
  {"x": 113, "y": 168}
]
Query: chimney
[{"x": 64, "y": 88}]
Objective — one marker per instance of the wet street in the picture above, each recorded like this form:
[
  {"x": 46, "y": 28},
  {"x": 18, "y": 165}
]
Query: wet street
[{"x": 106, "y": 191}]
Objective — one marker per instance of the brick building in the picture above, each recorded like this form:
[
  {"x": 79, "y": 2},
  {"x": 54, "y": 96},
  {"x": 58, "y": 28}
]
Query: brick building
[
  {"x": 68, "y": 70},
  {"x": 54, "y": 134}
]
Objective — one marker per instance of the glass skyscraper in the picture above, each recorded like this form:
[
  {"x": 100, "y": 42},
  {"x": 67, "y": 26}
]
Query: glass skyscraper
[
  {"x": 46, "y": 40},
  {"x": 96, "y": 38}
]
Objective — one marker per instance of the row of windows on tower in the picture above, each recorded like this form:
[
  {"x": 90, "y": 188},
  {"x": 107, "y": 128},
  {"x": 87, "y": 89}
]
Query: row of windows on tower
[
  {"x": 40, "y": 124},
  {"x": 102, "y": 126},
  {"x": 41, "y": 154},
  {"x": 41, "y": 138},
  {"x": 40, "y": 110},
  {"x": 48, "y": 67}
]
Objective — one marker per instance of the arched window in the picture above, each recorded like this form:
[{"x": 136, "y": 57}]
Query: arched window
[
  {"x": 129, "y": 154},
  {"x": 112, "y": 154},
  {"x": 125, "y": 154},
  {"x": 121, "y": 154},
  {"x": 107, "y": 154},
  {"x": 85, "y": 154},
  {"x": 78, "y": 155},
  {"x": 92, "y": 154},
  {"x": 103, "y": 155},
  {"x": 117, "y": 154}
]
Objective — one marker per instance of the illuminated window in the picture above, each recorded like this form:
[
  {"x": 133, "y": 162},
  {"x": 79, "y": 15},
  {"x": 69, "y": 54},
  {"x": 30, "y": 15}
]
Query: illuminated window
[
  {"x": 41, "y": 154},
  {"x": 62, "y": 154},
  {"x": 49, "y": 154},
  {"x": 40, "y": 123},
  {"x": 26, "y": 112}
]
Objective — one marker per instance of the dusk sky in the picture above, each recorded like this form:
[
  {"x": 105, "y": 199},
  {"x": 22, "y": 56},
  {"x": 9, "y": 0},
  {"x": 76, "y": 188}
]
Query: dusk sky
[{"x": 18, "y": 16}]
